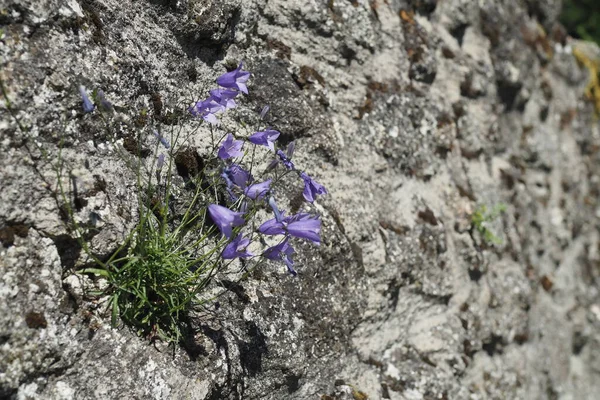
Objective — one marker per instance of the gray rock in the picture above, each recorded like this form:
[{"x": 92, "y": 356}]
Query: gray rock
[{"x": 411, "y": 121}]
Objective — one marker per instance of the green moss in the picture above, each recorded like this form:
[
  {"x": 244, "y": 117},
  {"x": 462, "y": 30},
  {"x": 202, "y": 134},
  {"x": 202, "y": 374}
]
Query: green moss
[{"x": 481, "y": 217}]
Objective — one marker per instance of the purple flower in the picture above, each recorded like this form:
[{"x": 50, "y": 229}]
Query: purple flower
[
  {"x": 285, "y": 160},
  {"x": 272, "y": 227},
  {"x": 224, "y": 97},
  {"x": 207, "y": 110},
  {"x": 311, "y": 188},
  {"x": 235, "y": 79},
  {"x": 258, "y": 190},
  {"x": 160, "y": 162},
  {"x": 237, "y": 248},
  {"x": 304, "y": 226},
  {"x": 236, "y": 175},
  {"x": 290, "y": 149},
  {"x": 88, "y": 106},
  {"x": 162, "y": 140},
  {"x": 278, "y": 215},
  {"x": 301, "y": 225},
  {"x": 104, "y": 104},
  {"x": 225, "y": 219},
  {"x": 230, "y": 148},
  {"x": 282, "y": 251},
  {"x": 264, "y": 112},
  {"x": 265, "y": 138}
]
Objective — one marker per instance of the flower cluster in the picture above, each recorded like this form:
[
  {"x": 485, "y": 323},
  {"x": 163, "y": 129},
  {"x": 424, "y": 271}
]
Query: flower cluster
[
  {"x": 98, "y": 96},
  {"x": 222, "y": 99},
  {"x": 173, "y": 252},
  {"x": 245, "y": 193}
]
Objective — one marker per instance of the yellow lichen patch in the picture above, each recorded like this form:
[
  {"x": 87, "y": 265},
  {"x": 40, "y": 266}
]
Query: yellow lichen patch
[{"x": 588, "y": 55}]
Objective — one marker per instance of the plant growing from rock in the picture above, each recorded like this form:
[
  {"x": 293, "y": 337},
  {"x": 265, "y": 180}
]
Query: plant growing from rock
[
  {"x": 482, "y": 217},
  {"x": 214, "y": 220}
]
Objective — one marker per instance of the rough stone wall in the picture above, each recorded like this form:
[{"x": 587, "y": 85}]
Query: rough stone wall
[{"x": 410, "y": 120}]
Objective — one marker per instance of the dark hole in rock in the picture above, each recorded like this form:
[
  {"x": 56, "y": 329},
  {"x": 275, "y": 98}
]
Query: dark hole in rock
[
  {"x": 468, "y": 348},
  {"x": 192, "y": 73},
  {"x": 493, "y": 345},
  {"x": 408, "y": 277},
  {"x": 428, "y": 216},
  {"x": 393, "y": 293},
  {"x": 508, "y": 93},
  {"x": 8, "y": 233},
  {"x": 78, "y": 201},
  {"x": 578, "y": 342},
  {"x": 35, "y": 320},
  {"x": 544, "y": 114},
  {"x": 385, "y": 392},
  {"x": 459, "y": 32},
  {"x": 292, "y": 382},
  {"x": 423, "y": 72},
  {"x": 357, "y": 253},
  {"x": 475, "y": 274},
  {"x": 4, "y": 339},
  {"x": 423, "y": 6},
  {"x": 68, "y": 249}
]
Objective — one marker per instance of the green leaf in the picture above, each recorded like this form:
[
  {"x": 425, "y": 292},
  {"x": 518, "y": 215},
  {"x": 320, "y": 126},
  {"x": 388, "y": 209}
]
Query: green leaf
[
  {"x": 115, "y": 310},
  {"x": 95, "y": 271}
]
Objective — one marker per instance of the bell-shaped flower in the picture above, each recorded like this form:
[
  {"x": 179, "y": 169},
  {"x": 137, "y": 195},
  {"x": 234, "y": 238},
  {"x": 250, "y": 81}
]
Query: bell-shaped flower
[
  {"x": 272, "y": 227},
  {"x": 282, "y": 251},
  {"x": 278, "y": 215},
  {"x": 237, "y": 248},
  {"x": 311, "y": 188},
  {"x": 264, "y": 111},
  {"x": 88, "y": 106},
  {"x": 162, "y": 140},
  {"x": 160, "y": 161},
  {"x": 285, "y": 160},
  {"x": 304, "y": 226},
  {"x": 258, "y": 190},
  {"x": 235, "y": 79},
  {"x": 207, "y": 110},
  {"x": 236, "y": 175},
  {"x": 224, "y": 97},
  {"x": 230, "y": 148},
  {"x": 265, "y": 138},
  {"x": 225, "y": 219},
  {"x": 101, "y": 99}
]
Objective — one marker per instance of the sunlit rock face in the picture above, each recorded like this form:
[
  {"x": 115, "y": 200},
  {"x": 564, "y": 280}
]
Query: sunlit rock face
[{"x": 413, "y": 114}]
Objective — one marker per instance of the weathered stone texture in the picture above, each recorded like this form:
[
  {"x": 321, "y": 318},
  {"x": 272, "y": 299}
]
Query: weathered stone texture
[{"x": 411, "y": 113}]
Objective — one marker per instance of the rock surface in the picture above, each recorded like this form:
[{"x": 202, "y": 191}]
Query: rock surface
[{"x": 412, "y": 113}]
